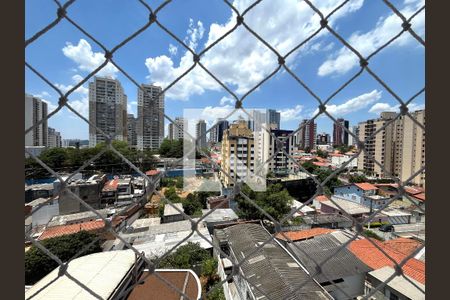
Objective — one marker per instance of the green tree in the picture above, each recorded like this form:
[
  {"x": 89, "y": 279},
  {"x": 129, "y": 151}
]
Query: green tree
[
  {"x": 322, "y": 174},
  {"x": 309, "y": 166},
  {"x": 192, "y": 205},
  {"x": 171, "y": 194},
  {"x": 357, "y": 178},
  {"x": 185, "y": 257},
  {"x": 322, "y": 154},
  {"x": 38, "y": 264},
  {"x": 276, "y": 201}
]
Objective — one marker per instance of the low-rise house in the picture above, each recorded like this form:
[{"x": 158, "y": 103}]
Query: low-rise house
[
  {"x": 125, "y": 190},
  {"x": 328, "y": 220},
  {"x": 353, "y": 209},
  {"x": 338, "y": 159},
  {"x": 300, "y": 235},
  {"x": 362, "y": 193},
  {"x": 171, "y": 214},
  {"x": 397, "y": 288},
  {"x": 218, "y": 216},
  {"x": 56, "y": 231},
  {"x": 217, "y": 201},
  {"x": 270, "y": 271},
  {"x": 114, "y": 275},
  {"x": 317, "y": 201},
  {"x": 87, "y": 190},
  {"x": 82, "y": 217},
  {"x": 156, "y": 240},
  {"x": 375, "y": 259},
  {"x": 36, "y": 191},
  {"x": 302, "y": 210},
  {"x": 155, "y": 176},
  {"x": 396, "y": 216},
  {"x": 342, "y": 274},
  {"x": 42, "y": 210}
]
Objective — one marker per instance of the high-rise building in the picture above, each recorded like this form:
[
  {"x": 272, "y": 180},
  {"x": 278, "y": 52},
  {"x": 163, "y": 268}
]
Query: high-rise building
[
  {"x": 410, "y": 148},
  {"x": 132, "y": 130},
  {"x": 216, "y": 134},
  {"x": 238, "y": 153},
  {"x": 35, "y": 111},
  {"x": 200, "y": 131},
  {"x": 176, "y": 129},
  {"x": 323, "y": 139},
  {"x": 306, "y": 136},
  {"x": 273, "y": 117},
  {"x": 340, "y": 135},
  {"x": 150, "y": 121},
  {"x": 54, "y": 138},
  {"x": 107, "y": 110},
  {"x": 351, "y": 140},
  {"x": 265, "y": 146}
]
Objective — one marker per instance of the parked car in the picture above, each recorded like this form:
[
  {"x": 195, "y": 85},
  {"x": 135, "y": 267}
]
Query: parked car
[{"x": 386, "y": 228}]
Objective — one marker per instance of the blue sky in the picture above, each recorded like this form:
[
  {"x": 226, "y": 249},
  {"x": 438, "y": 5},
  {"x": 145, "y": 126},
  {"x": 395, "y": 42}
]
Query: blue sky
[{"x": 65, "y": 55}]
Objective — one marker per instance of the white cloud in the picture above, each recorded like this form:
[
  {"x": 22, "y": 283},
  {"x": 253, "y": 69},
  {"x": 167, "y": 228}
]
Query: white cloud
[
  {"x": 65, "y": 88},
  {"x": 290, "y": 114},
  {"x": 194, "y": 34},
  {"x": 173, "y": 50},
  {"x": 239, "y": 60},
  {"x": 81, "y": 106},
  {"x": 87, "y": 60},
  {"x": 77, "y": 78},
  {"x": 43, "y": 94},
  {"x": 382, "y": 107},
  {"x": 344, "y": 60},
  {"x": 224, "y": 100},
  {"x": 352, "y": 105}
]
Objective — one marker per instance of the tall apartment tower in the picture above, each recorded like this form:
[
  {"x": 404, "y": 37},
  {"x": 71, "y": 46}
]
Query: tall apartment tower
[
  {"x": 54, "y": 139},
  {"x": 351, "y": 140},
  {"x": 35, "y": 111},
  {"x": 340, "y": 136},
  {"x": 265, "y": 146},
  {"x": 131, "y": 130},
  {"x": 216, "y": 134},
  {"x": 177, "y": 132},
  {"x": 107, "y": 110},
  {"x": 323, "y": 139},
  {"x": 306, "y": 136},
  {"x": 200, "y": 131},
  {"x": 410, "y": 147},
  {"x": 381, "y": 147},
  {"x": 238, "y": 152},
  {"x": 150, "y": 122},
  {"x": 273, "y": 117}
]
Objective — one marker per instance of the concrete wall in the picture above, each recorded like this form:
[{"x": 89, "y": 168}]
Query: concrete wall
[
  {"x": 45, "y": 213},
  {"x": 352, "y": 286}
]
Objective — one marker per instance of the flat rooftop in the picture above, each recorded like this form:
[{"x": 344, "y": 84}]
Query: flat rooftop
[
  {"x": 220, "y": 215},
  {"x": 100, "y": 272},
  {"x": 349, "y": 207},
  {"x": 169, "y": 209},
  {"x": 399, "y": 283}
]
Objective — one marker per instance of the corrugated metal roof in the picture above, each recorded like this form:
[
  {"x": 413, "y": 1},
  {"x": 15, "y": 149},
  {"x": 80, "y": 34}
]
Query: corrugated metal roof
[
  {"x": 341, "y": 264},
  {"x": 271, "y": 268},
  {"x": 100, "y": 272}
]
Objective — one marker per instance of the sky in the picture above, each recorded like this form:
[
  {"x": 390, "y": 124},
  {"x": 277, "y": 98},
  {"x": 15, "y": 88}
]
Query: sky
[{"x": 65, "y": 55}]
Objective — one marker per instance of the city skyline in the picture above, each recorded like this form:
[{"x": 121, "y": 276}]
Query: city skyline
[{"x": 320, "y": 64}]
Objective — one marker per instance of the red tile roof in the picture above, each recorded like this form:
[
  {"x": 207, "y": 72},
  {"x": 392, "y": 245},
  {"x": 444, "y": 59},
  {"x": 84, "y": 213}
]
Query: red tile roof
[
  {"x": 420, "y": 196},
  {"x": 403, "y": 245},
  {"x": 303, "y": 234},
  {"x": 321, "y": 198},
  {"x": 375, "y": 259},
  {"x": 414, "y": 190},
  {"x": 152, "y": 172},
  {"x": 321, "y": 164},
  {"x": 111, "y": 185},
  {"x": 366, "y": 186},
  {"x": 70, "y": 229}
]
